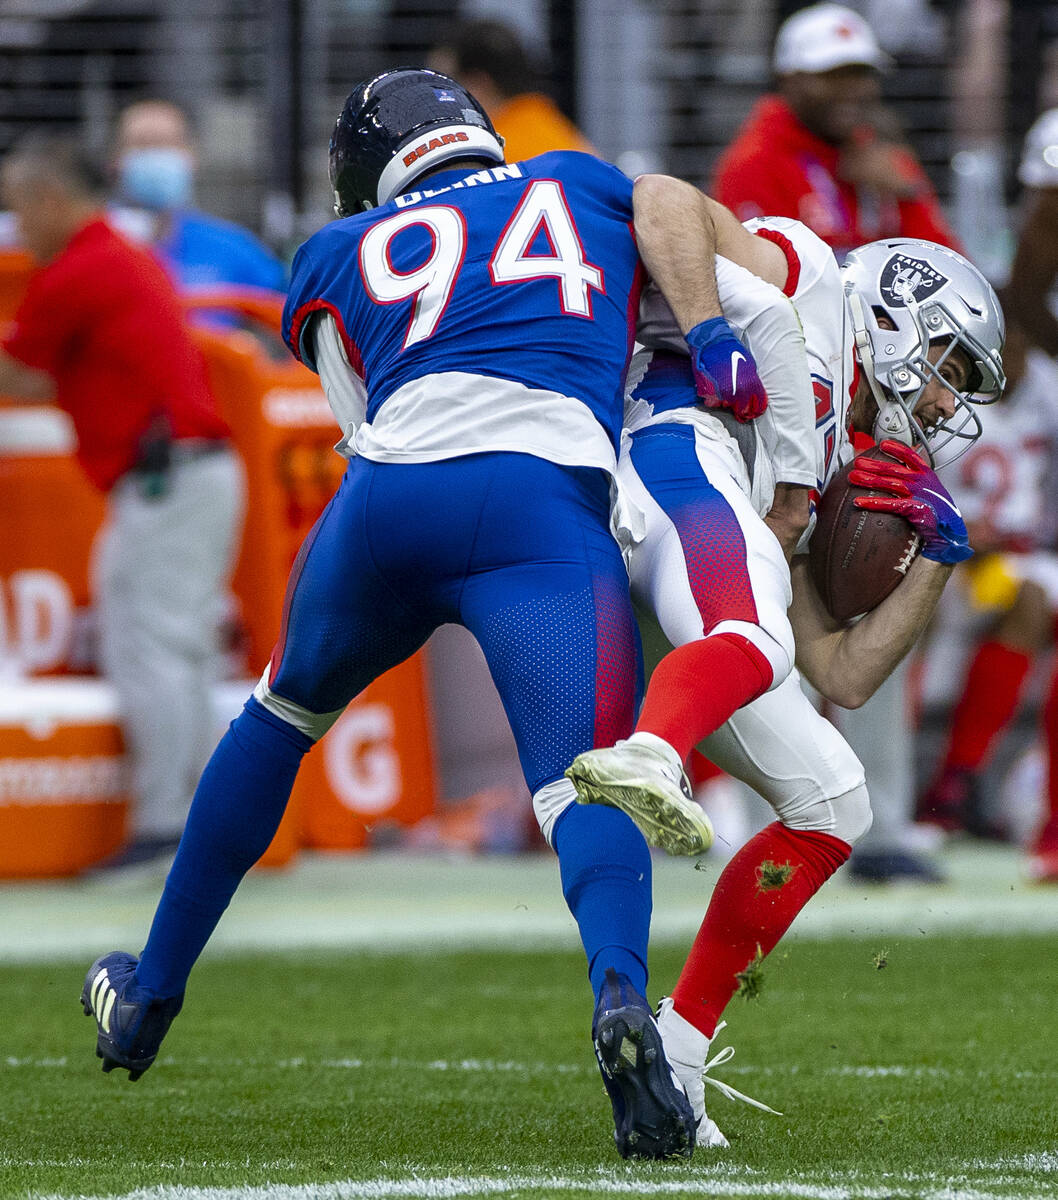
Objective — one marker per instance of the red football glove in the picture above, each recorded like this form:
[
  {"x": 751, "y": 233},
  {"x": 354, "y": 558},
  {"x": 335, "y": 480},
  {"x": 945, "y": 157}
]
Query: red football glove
[
  {"x": 725, "y": 375},
  {"x": 917, "y": 494}
]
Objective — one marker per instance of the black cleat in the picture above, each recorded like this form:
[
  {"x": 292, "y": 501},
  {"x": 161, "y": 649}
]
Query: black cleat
[
  {"x": 894, "y": 866},
  {"x": 652, "y": 1115},
  {"x": 130, "y": 1027}
]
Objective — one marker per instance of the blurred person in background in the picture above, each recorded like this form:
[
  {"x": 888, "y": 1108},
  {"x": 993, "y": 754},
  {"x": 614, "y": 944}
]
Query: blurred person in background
[
  {"x": 1009, "y": 494},
  {"x": 1029, "y": 294},
  {"x": 823, "y": 149},
  {"x": 489, "y": 58},
  {"x": 154, "y": 163},
  {"x": 101, "y": 333},
  {"x": 1005, "y": 488}
]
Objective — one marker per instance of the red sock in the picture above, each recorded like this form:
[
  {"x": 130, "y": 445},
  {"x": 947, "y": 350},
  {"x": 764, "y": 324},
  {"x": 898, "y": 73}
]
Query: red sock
[
  {"x": 700, "y": 770},
  {"x": 991, "y": 694},
  {"x": 695, "y": 688},
  {"x": 746, "y": 913}
]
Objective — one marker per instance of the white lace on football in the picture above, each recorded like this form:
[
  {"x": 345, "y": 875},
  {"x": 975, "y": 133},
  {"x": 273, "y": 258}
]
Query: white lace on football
[{"x": 725, "y": 1089}]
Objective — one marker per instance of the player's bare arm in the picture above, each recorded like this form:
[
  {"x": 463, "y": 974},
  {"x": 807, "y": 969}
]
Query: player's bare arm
[
  {"x": 19, "y": 382},
  {"x": 848, "y": 663},
  {"x": 677, "y": 243},
  {"x": 789, "y": 515},
  {"x": 734, "y": 241}
]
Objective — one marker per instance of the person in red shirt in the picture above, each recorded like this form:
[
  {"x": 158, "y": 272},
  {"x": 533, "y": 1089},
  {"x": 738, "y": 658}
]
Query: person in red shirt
[
  {"x": 102, "y": 334},
  {"x": 822, "y": 148}
]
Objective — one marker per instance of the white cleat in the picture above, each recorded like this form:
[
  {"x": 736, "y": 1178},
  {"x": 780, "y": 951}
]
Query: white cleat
[
  {"x": 650, "y": 786},
  {"x": 687, "y": 1050}
]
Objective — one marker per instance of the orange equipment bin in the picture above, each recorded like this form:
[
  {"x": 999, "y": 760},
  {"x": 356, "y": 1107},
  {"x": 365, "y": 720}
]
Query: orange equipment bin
[
  {"x": 285, "y": 432},
  {"x": 49, "y": 514},
  {"x": 376, "y": 763},
  {"x": 63, "y": 794}
]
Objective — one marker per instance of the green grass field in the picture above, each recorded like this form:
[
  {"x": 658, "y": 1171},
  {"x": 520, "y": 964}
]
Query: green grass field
[{"x": 334, "y": 1073}]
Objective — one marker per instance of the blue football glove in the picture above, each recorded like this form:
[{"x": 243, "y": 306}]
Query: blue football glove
[
  {"x": 917, "y": 494},
  {"x": 725, "y": 375}
]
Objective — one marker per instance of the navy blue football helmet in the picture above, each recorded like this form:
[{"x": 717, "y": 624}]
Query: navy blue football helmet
[{"x": 398, "y": 125}]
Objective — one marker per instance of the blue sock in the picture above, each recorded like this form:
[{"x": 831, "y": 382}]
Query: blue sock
[
  {"x": 606, "y": 880},
  {"x": 238, "y": 805}
]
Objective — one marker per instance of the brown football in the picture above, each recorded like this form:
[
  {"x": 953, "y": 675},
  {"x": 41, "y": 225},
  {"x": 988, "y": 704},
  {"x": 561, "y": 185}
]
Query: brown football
[{"x": 857, "y": 558}]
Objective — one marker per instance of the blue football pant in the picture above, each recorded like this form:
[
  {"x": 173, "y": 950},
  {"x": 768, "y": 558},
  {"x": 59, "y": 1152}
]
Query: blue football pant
[
  {"x": 519, "y": 551},
  {"x": 513, "y": 547}
]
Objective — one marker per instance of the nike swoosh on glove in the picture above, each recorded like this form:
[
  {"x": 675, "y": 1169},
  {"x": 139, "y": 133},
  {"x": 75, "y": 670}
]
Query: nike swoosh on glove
[
  {"x": 725, "y": 375},
  {"x": 917, "y": 494}
]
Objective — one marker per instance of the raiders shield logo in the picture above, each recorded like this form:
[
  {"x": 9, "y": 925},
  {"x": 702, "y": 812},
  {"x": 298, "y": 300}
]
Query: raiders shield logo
[{"x": 904, "y": 278}]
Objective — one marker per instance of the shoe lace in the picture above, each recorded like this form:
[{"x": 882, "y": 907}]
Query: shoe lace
[{"x": 725, "y": 1089}]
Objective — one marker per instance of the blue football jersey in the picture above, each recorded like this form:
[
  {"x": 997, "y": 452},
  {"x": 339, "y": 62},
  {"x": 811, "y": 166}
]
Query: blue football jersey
[{"x": 526, "y": 272}]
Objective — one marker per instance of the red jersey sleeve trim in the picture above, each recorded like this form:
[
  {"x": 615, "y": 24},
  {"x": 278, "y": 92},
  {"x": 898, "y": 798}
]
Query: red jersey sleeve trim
[
  {"x": 297, "y": 325},
  {"x": 793, "y": 262},
  {"x": 635, "y": 295}
]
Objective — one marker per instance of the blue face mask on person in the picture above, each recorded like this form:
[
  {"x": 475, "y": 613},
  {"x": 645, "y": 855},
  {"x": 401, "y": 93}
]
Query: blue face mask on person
[{"x": 158, "y": 178}]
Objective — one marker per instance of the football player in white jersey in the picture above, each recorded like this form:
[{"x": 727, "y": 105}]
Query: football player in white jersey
[
  {"x": 1018, "y": 584},
  {"x": 1005, "y": 487},
  {"x": 1030, "y": 291},
  {"x": 897, "y": 345}
]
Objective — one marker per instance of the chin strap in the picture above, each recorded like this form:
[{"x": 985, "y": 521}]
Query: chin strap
[{"x": 892, "y": 421}]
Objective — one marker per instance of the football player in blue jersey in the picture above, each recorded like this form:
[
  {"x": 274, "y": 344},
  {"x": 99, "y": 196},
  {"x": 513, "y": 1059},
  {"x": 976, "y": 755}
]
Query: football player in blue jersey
[{"x": 471, "y": 321}]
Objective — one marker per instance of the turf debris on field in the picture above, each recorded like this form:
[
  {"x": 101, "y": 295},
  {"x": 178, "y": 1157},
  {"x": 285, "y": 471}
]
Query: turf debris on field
[{"x": 342, "y": 1076}]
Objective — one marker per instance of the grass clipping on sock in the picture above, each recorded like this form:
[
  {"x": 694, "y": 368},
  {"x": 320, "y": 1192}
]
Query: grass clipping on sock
[
  {"x": 773, "y": 875},
  {"x": 751, "y": 980}
]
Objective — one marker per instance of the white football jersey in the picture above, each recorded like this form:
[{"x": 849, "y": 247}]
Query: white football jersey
[
  {"x": 806, "y": 441},
  {"x": 1039, "y": 165},
  {"x": 1039, "y": 156},
  {"x": 1009, "y": 476},
  {"x": 814, "y": 286}
]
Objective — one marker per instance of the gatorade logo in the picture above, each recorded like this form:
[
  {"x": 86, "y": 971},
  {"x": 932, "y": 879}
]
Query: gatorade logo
[{"x": 361, "y": 760}]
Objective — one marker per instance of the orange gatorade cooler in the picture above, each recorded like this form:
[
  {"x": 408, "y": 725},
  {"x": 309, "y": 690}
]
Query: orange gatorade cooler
[
  {"x": 63, "y": 785},
  {"x": 375, "y": 766}
]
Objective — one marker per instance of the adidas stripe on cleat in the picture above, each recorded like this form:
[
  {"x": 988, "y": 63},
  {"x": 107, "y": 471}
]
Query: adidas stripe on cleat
[
  {"x": 652, "y": 1116},
  {"x": 129, "y": 1025}
]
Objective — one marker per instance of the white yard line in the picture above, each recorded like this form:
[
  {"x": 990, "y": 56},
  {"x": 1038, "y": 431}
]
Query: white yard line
[
  {"x": 485, "y": 1066},
  {"x": 711, "y": 1181}
]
